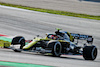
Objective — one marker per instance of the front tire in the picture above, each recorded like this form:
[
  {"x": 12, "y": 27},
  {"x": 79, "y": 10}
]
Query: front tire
[
  {"x": 55, "y": 47},
  {"x": 18, "y": 40},
  {"x": 90, "y": 52}
]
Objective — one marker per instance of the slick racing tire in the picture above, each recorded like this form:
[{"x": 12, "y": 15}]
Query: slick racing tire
[
  {"x": 55, "y": 47},
  {"x": 89, "y": 52},
  {"x": 19, "y": 40}
]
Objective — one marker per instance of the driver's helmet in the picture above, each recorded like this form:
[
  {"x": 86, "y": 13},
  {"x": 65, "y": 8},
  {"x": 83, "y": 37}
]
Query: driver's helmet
[{"x": 55, "y": 37}]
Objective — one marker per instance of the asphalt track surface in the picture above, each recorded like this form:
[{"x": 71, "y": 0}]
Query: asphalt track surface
[
  {"x": 91, "y": 7},
  {"x": 14, "y": 21}
]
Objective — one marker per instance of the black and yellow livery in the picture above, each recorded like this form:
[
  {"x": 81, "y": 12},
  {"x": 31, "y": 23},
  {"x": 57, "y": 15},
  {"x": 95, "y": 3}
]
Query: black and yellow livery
[{"x": 57, "y": 44}]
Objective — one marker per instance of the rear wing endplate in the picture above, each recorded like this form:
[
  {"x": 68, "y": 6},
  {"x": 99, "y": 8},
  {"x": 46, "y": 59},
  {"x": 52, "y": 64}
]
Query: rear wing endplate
[{"x": 83, "y": 37}]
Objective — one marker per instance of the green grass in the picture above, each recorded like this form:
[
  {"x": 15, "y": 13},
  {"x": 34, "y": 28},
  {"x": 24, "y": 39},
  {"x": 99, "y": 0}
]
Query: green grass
[{"x": 65, "y": 13}]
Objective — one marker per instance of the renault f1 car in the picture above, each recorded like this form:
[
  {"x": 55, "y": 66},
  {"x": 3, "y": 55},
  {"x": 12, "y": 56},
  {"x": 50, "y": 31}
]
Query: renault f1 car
[{"x": 61, "y": 42}]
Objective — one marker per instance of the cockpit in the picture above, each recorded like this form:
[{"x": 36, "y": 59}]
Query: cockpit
[{"x": 59, "y": 35}]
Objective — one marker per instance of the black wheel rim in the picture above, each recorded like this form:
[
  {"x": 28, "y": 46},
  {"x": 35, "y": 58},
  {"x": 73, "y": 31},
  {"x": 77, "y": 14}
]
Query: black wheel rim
[{"x": 57, "y": 48}]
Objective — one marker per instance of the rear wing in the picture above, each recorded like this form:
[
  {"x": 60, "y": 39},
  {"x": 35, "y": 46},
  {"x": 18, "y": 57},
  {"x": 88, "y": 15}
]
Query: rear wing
[{"x": 83, "y": 37}]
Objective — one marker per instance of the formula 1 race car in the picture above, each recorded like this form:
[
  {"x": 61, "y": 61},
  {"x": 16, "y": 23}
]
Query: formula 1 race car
[{"x": 61, "y": 42}]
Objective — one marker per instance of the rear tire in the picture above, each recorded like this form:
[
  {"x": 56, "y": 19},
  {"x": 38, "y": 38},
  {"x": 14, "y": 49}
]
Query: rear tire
[
  {"x": 89, "y": 53},
  {"x": 18, "y": 40}
]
